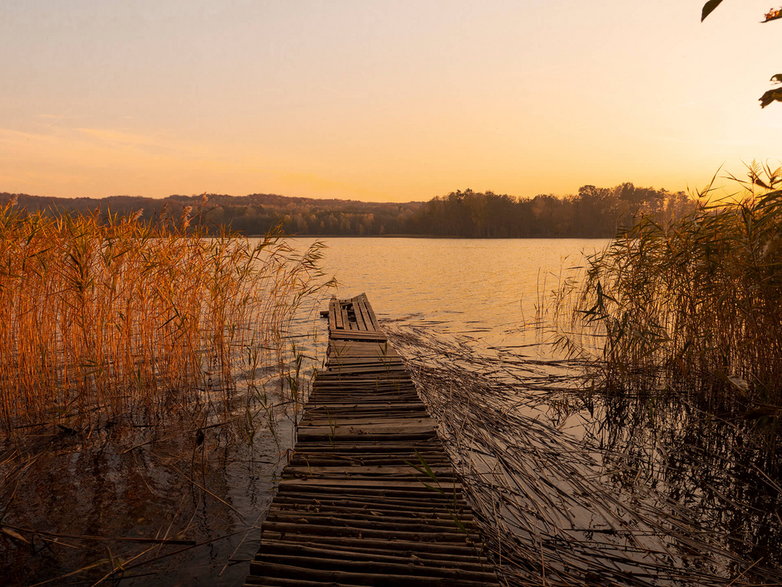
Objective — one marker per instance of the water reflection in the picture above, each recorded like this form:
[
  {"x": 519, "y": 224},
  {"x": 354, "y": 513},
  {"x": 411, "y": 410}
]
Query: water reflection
[
  {"x": 609, "y": 490},
  {"x": 721, "y": 470},
  {"x": 174, "y": 502},
  {"x": 577, "y": 489}
]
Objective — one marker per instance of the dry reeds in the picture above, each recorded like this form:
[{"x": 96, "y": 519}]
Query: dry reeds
[
  {"x": 570, "y": 496},
  {"x": 696, "y": 306},
  {"x": 102, "y": 320}
]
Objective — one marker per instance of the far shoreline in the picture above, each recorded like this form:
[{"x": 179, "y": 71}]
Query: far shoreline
[{"x": 435, "y": 236}]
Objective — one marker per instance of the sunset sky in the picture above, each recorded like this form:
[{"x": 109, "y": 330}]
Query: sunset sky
[{"x": 390, "y": 100}]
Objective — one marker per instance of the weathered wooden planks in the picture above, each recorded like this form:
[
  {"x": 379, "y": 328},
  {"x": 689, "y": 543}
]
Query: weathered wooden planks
[
  {"x": 369, "y": 496},
  {"x": 353, "y": 319}
]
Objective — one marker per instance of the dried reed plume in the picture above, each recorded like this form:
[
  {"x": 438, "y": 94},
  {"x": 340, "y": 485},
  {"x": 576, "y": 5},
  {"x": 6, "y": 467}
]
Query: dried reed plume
[
  {"x": 102, "y": 320},
  {"x": 696, "y": 306}
]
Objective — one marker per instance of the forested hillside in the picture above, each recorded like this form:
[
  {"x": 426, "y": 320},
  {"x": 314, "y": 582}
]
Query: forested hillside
[{"x": 592, "y": 212}]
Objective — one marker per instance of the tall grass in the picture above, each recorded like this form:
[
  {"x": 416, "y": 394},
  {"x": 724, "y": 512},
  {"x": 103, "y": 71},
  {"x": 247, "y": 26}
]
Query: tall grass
[
  {"x": 104, "y": 320},
  {"x": 696, "y": 305}
]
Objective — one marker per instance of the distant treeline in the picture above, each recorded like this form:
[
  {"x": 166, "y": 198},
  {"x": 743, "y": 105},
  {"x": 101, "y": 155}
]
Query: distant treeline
[{"x": 593, "y": 212}]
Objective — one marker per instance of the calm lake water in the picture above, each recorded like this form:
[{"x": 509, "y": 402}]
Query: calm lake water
[
  {"x": 594, "y": 490},
  {"x": 485, "y": 289},
  {"x": 585, "y": 491}
]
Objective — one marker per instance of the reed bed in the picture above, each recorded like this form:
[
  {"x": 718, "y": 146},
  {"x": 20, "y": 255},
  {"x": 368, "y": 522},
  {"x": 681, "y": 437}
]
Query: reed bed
[
  {"x": 694, "y": 307},
  {"x": 111, "y": 320},
  {"x": 575, "y": 494}
]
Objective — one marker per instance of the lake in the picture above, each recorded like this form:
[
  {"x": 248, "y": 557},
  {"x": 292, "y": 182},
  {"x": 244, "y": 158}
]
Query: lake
[
  {"x": 484, "y": 289},
  {"x": 571, "y": 486},
  {"x": 589, "y": 488}
]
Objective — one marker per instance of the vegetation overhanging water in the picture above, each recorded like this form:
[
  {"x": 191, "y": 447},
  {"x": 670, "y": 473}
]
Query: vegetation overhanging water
[
  {"x": 149, "y": 393},
  {"x": 583, "y": 471}
]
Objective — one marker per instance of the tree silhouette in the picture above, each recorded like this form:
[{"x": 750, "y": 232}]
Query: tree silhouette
[{"x": 774, "y": 94}]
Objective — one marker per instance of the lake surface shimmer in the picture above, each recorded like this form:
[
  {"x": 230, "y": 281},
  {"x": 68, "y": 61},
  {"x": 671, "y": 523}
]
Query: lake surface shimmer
[{"x": 484, "y": 288}]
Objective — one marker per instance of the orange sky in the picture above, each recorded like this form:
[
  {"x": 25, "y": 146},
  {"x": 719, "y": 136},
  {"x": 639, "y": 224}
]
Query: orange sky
[{"x": 378, "y": 100}]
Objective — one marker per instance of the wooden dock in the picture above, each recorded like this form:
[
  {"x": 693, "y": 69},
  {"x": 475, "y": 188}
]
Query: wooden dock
[{"x": 369, "y": 496}]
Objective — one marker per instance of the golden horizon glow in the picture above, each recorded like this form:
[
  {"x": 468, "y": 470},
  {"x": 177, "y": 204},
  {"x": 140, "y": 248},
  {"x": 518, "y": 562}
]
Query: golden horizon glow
[{"x": 380, "y": 101}]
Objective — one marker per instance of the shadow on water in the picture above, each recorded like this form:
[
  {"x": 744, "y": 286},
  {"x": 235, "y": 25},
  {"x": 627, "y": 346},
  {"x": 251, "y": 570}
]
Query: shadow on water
[
  {"x": 178, "y": 508},
  {"x": 172, "y": 502},
  {"x": 577, "y": 489},
  {"x": 724, "y": 472}
]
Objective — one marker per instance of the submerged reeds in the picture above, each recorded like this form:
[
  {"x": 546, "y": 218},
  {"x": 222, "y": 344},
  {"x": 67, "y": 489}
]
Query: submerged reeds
[
  {"x": 695, "y": 306},
  {"x": 573, "y": 495},
  {"x": 104, "y": 319}
]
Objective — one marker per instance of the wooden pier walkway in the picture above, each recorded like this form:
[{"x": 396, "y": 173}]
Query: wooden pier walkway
[{"x": 369, "y": 497}]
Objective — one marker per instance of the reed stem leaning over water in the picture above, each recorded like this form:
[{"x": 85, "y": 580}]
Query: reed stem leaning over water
[
  {"x": 108, "y": 319},
  {"x": 696, "y": 306}
]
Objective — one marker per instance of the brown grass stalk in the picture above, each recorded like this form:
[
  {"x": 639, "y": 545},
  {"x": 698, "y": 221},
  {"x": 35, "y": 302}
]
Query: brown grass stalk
[{"x": 109, "y": 320}]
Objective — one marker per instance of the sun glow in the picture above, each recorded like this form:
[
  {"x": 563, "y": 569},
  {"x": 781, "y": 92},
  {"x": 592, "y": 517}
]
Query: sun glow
[{"x": 373, "y": 101}]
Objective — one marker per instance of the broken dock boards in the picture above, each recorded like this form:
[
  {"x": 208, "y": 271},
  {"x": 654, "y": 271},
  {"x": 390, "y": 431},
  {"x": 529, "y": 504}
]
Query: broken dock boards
[{"x": 369, "y": 496}]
